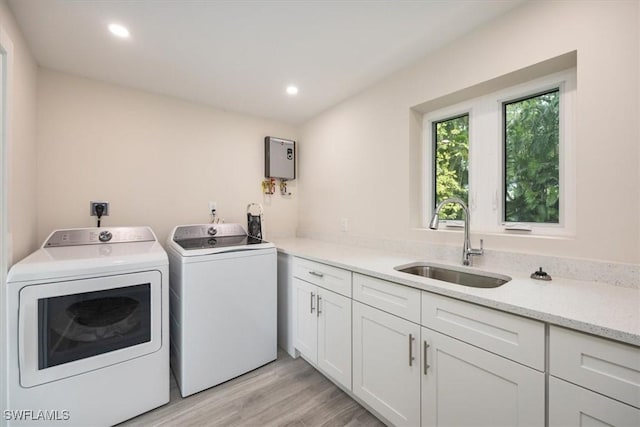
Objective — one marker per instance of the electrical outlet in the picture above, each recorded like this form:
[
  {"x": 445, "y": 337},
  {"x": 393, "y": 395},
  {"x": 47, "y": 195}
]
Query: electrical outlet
[
  {"x": 344, "y": 224},
  {"x": 212, "y": 207},
  {"x": 92, "y": 208}
]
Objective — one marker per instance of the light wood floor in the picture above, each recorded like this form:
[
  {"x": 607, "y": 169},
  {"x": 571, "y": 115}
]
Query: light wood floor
[{"x": 287, "y": 392}]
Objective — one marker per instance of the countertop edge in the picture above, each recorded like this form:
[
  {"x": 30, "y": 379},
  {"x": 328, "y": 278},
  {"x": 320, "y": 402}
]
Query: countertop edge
[{"x": 553, "y": 319}]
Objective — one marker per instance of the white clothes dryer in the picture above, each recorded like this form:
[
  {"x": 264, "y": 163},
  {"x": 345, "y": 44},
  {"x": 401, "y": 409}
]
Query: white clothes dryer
[
  {"x": 87, "y": 327},
  {"x": 223, "y": 298}
]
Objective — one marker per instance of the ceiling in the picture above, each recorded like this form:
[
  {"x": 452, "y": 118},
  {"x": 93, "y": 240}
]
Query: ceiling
[{"x": 240, "y": 55}]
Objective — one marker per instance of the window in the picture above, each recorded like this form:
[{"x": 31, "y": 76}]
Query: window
[
  {"x": 509, "y": 155},
  {"x": 451, "y": 146},
  {"x": 531, "y": 129}
]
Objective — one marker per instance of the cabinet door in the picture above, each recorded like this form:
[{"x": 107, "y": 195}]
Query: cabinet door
[
  {"x": 570, "y": 405},
  {"x": 463, "y": 385},
  {"x": 383, "y": 375},
  {"x": 334, "y": 336},
  {"x": 305, "y": 324}
]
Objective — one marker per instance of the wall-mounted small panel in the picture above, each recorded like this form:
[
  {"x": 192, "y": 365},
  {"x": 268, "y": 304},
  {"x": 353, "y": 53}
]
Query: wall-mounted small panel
[{"x": 279, "y": 158}]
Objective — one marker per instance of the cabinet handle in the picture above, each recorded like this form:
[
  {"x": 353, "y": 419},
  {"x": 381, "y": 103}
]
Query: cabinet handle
[
  {"x": 318, "y": 305},
  {"x": 426, "y": 364},
  {"x": 315, "y": 273},
  {"x": 411, "y": 358},
  {"x": 311, "y": 304}
]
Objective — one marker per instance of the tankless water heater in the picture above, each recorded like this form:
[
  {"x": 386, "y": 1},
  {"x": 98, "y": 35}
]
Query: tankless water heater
[{"x": 279, "y": 158}]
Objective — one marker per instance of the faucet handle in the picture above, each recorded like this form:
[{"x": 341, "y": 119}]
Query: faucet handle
[{"x": 473, "y": 251}]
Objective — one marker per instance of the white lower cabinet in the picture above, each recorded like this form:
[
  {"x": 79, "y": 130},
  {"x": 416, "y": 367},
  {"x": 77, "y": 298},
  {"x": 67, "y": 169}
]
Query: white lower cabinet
[
  {"x": 322, "y": 332},
  {"x": 305, "y": 329},
  {"x": 412, "y": 375},
  {"x": 334, "y": 336},
  {"x": 593, "y": 381},
  {"x": 571, "y": 405},
  {"x": 386, "y": 364},
  {"x": 420, "y": 359},
  {"x": 463, "y": 385},
  {"x": 604, "y": 366}
]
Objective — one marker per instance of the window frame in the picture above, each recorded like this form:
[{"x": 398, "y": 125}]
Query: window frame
[
  {"x": 487, "y": 202},
  {"x": 434, "y": 165},
  {"x": 503, "y": 179},
  {"x": 429, "y": 160}
]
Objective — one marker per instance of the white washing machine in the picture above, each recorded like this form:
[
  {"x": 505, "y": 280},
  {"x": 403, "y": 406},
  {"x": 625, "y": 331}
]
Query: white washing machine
[
  {"x": 87, "y": 327},
  {"x": 223, "y": 294}
]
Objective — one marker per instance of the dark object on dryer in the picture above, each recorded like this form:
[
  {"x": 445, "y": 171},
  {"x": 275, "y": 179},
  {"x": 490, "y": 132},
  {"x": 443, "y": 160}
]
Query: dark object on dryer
[
  {"x": 254, "y": 220},
  {"x": 254, "y": 226}
]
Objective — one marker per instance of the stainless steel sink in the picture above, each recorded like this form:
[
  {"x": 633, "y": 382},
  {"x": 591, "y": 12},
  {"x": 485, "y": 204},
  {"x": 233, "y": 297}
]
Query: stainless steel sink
[{"x": 459, "y": 277}]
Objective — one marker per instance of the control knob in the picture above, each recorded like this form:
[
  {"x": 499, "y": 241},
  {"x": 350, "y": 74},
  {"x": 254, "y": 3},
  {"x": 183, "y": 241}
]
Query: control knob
[
  {"x": 212, "y": 231},
  {"x": 105, "y": 236}
]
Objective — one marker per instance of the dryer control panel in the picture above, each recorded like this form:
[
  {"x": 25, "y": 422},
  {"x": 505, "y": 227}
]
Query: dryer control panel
[{"x": 99, "y": 236}]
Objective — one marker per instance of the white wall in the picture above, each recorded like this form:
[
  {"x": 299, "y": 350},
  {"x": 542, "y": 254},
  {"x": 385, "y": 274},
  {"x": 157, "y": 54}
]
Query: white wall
[
  {"x": 21, "y": 143},
  {"x": 156, "y": 159},
  {"x": 21, "y": 156},
  {"x": 355, "y": 157}
]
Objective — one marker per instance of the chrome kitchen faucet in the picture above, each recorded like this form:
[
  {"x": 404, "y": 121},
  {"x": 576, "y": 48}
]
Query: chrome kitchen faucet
[{"x": 467, "y": 250}]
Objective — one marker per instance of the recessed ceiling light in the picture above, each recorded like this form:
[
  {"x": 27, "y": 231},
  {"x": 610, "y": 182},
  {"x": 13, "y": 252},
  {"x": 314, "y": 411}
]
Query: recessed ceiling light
[
  {"x": 292, "y": 90},
  {"x": 119, "y": 30}
]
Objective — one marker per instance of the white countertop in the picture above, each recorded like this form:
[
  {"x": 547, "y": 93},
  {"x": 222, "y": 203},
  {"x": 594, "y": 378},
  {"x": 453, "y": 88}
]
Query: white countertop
[{"x": 600, "y": 309}]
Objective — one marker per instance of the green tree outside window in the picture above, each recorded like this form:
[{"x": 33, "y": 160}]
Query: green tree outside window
[
  {"x": 452, "y": 163},
  {"x": 532, "y": 159}
]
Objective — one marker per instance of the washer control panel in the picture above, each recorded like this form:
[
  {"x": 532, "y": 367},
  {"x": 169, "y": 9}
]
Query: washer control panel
[
  {"x": 98, "y": 236},
  {"x": 207, "y": 230}
]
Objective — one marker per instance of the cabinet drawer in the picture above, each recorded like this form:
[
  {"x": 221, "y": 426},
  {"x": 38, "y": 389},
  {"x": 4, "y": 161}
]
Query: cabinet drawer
[
  {"x": 601, "y": 365},
  {"x": 510, "y": 336},
  {"x": 396, "y": 299},
  {"x": 333, "y": 278},
  {"x": 570, "y": 405}
]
